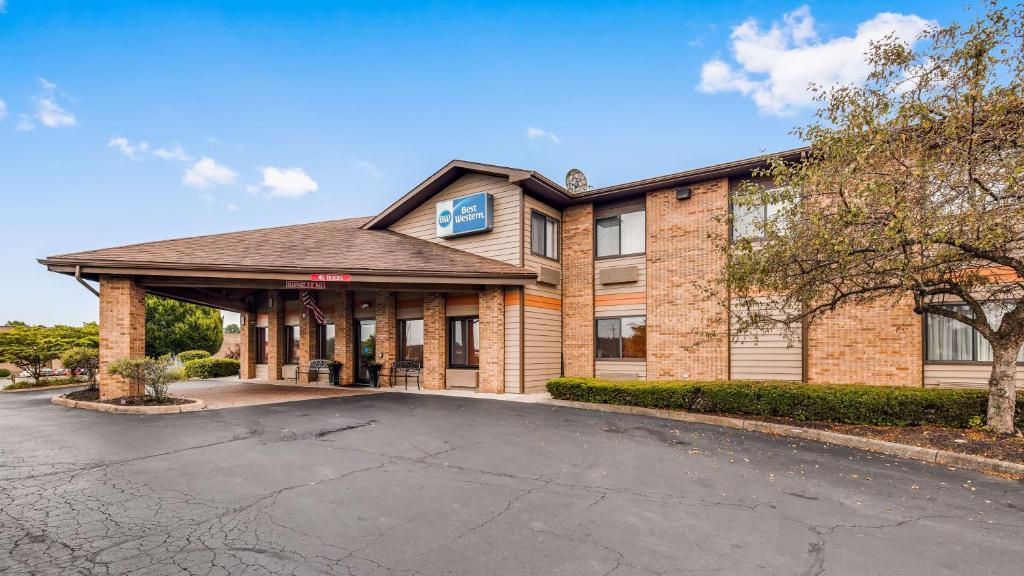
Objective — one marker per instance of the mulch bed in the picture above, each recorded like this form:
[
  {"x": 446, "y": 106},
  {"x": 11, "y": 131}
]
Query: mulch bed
[
  {"x": 963, "y": 441},
  {"x": 94, "y": 396}
]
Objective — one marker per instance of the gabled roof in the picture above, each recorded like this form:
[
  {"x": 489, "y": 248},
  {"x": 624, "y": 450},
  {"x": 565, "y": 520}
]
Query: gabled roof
[
  {"x": 335, "y": 246},
  {"x": 532, "y": 181}
]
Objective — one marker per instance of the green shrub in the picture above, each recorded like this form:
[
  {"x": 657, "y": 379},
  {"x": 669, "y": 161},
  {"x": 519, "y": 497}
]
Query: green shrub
[
  {"x": 154, "y": 375},
  {"x": 5, "y": 373},
  {"x": 847, "y": 403},
  {"x": 47, "y": 383},
  {"x": 189, "y": 355},
  {"x": 211, "y": 368}
]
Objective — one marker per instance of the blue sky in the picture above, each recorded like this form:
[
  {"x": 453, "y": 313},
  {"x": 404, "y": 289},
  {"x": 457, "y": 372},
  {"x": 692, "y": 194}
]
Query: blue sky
[{"x": 124, "y": 122}]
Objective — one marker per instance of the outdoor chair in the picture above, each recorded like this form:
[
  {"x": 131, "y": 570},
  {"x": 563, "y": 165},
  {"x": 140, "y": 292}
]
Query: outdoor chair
[
  {"x": 405, "y": 370},
  {"x": 314, "y": 370}
]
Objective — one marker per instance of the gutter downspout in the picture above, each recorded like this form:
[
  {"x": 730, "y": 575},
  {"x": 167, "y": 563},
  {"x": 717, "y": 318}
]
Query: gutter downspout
[{"x": 78, "y": 276}]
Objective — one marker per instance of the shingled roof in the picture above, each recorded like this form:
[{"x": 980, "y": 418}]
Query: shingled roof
[{"x": 334, "y": 246}]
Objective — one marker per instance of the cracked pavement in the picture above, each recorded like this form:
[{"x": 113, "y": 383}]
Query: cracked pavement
[{"x": 393, "y": 484}]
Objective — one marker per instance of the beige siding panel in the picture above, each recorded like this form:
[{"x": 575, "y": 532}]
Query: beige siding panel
[
  {"x": 640, "y": 261},
  {"x": 292, "y": 311},
  {"x": 620, "y": 369},
  {"x": 533, "y": 262},
  {"x": 963, "y": 375},
  {"x": 502, "y": 243},
  {"x": 767, "y": 355},
  {"x": 543, "y": 347},
  {"x": 606, "y": 311}
]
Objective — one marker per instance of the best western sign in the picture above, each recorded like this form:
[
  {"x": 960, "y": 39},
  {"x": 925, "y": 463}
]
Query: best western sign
[{"x": 465, "y": 215}]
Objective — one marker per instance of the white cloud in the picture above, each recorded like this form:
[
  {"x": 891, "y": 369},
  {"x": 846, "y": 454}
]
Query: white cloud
[
  {"x": 3, "y": 6},
  {"x": 49, "y": 112},
  {"x": 285, "y": 182},
  {"x": 774, "y": 67},
  {"x": 24, "y": 124},
  {"x": 176, "y": 153},
  {"x": 3, "y": 105},
  {"x": 231, "y": 207},
  {"x": 206, "y": 173},
  {"x": 369, "y": 169},
  {"x": 127, "y": 148},
  {"x": 534, "y": 133}
]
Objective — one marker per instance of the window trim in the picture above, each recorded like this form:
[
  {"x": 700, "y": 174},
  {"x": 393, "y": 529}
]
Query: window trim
[
  {"x": 974, "y": 350},
  {"x": 400, "y": 340},
  {"x": 448, "y": 342},
  {"x": 558, "y": 235},
  {"x": 619, "y": 215},
  {"x": 620, "y": 358}
]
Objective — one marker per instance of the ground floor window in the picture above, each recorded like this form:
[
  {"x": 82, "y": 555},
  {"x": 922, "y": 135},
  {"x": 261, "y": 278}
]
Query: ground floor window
[
  {"x": 291, "y": 344},
  {"x": 464, "y": 342},
  {"x": 261, "y": 345},
  {"x": 325, "y": 341},
  {"x": 949, "y": 340},
  {"x": 410, "y": 340},
  {"x": 624, "y": 337}
]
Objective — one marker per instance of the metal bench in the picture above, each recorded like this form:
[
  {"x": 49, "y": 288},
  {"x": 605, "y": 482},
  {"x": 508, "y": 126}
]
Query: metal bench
[
  {"x": 404, "y": 369},
  {"x": 314, "y": 370}
]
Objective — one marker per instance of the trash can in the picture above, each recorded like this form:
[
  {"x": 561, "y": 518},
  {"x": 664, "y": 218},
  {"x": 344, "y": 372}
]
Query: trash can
[
  {"x": 335, "y": 375},
  {"x": 373, "y": 371}
]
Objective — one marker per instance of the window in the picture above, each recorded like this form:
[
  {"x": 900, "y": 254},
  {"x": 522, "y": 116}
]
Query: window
[
  {"x": 748, "y": 221},
  {"x": 325, "y": 341},
  {"x": 624, "y": 337},
  {"x": 949, "y": 340},
  {"x": 410, "y": 340},
  {"x": 464, "y": 342},
  {"x": 261, "y": 345},
  {"x": 621, "y": 235},
  {"x": 291, "y": 344},
  {"x": 543, "y": 235}
]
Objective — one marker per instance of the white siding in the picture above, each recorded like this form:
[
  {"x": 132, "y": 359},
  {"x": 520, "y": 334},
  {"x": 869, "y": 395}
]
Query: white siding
[
  {"x": 963, "y": 375},
  {"x": 766, "y": 355}
]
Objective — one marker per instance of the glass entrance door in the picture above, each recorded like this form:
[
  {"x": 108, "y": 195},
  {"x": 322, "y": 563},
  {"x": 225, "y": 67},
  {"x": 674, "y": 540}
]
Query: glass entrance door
[{"x": 366, "y": 349}]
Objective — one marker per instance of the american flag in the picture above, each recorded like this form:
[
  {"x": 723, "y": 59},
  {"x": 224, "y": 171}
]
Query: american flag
[{"x": 310, "y": 303}]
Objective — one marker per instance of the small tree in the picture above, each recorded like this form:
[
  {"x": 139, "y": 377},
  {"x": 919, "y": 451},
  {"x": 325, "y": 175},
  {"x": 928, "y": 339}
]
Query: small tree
[
  {"x": 173, "y": 326},
  {"x": 913, "y": 191},
  {"x": 32, "y": 348},
  {"x": 152, "y": 374},
  {"x": 81, "y": 359},
  {"x": 232, "y": 329}
]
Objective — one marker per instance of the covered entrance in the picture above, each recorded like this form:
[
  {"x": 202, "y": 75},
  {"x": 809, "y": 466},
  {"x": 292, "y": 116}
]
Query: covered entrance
[{"x": 366, "y": 350}]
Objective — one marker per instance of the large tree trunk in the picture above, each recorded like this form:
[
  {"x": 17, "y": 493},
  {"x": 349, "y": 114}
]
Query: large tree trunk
[{"x": 1002, "y": 391}]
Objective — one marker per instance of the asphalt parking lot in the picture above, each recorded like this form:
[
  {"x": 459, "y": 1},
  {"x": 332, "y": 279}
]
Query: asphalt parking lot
[{"x": 405, "y": 484}]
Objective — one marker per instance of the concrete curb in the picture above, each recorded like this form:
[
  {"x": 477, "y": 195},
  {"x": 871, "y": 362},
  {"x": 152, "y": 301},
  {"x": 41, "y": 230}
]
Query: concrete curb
[
  {"x": 195, "y": 406},
  {"x": 933, "y": 455},
  {"x": 42, "y": 388}
]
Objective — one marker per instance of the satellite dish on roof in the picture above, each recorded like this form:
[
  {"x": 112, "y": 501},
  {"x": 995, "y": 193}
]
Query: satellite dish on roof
[{"x": 576, "y": 181}]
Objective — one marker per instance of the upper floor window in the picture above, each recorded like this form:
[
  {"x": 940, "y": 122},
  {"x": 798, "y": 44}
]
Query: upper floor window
[
  {"x": 949, "y": 340},
  {"x": 622, "y": 234},
  {"x": 543, "y": 235},
  {"x": 748, "y": 220}
]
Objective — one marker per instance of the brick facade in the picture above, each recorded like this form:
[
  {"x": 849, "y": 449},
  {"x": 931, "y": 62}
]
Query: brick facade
[
  {"x": 275, "y": 335},
  {"x": 122, "y": 332},
  {"x": 247, "y": 346},
  {"x": 877, "y": 343},
  {"x": 435, "y": 339},
  {"x": 387, "y": 324},
  {"x": 344, "y": 341},
  {"x": 578, "y": 290},
  {"x": 680, "y": 261},
  {"x": 307, "y": 343},
  {"x": 492, "y": 339}
]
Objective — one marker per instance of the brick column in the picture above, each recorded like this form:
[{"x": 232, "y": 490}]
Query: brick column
[
  {"x": 386, "y": 325},
  {"x": 492, "y": 340},
  {"x": 343, "y": 337},
  {"x": 275, "y": 335},
  {"x": 247, "y": 346},
  {"x": 307, "y": 341},
  {"x": 578, "y": 291},
  {"x": 122, "y": 331},
  {"x": 435, "y": 341}
]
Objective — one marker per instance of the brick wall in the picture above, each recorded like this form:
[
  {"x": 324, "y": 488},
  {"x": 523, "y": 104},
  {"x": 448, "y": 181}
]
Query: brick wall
[
  {"x": 307, "y": 342},
  {"x": 434, "y": 341},
  {"x": 680, "y": 260},
  {"x": 578, "y": 290},
  {"x": 343, "y": 338},
  {"x": 878, "y": 343},
  {"x": 122, "y": 331},
  {"x": 275, "y": 335},
  {"x": 386, "y": 341},
  {"x": 492, "y": 339},
  {"x": 247, "y": 346}
]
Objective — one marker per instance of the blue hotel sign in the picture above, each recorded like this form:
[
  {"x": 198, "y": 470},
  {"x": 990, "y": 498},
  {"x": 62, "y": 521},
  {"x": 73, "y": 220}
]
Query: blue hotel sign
[{"x": 465, "y": 215}]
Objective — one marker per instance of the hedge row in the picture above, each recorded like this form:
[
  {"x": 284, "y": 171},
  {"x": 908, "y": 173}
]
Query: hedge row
[
  {"x": 211, "y": 368},
  {"x": 190, "y": 355},
  {"x": 848, "y": 403}
]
